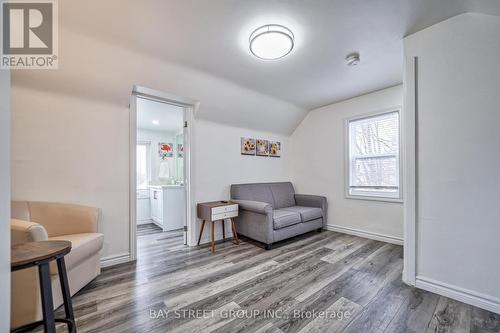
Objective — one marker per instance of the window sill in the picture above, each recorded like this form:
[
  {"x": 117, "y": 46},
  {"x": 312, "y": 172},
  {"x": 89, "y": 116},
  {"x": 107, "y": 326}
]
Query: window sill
[{"x": 374, "y": 198}]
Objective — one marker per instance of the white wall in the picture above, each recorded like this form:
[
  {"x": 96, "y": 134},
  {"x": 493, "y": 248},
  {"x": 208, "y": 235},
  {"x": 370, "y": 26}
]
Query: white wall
[
  {"x": 4, "y": 200},
  {"x": 72, "y": 149},
  {"x": 155, "y": 137},
  {"x": 93, "y": 69},
  {"x": 318, "y": 157},
  {"x": 219, "y": 163},
  {"x": 458, "y": 145},
  {"x": 71, "y": 126},
  {"x": 75, "y": 150}
]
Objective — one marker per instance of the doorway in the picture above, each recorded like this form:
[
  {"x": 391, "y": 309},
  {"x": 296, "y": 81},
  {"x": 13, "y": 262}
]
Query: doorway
[{"x": 160, "y": 182}]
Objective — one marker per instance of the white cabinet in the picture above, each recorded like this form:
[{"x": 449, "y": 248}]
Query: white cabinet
[
  {"x": 167, "y": 206},
  {"x": 156, "y": 199},
  {"x": 143, "y": 210}
]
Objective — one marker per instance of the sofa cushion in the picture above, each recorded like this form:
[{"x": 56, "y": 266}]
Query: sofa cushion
[
  {"x": 284, "y": 218},
  {"x": 283, "y": 194},
  {"x": 82, "y": 247},
  {"x": 252, "y": 192},
  {"x": 306, "y": 213}
]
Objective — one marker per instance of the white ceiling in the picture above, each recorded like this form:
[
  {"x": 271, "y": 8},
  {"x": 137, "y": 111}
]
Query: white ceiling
[
  {"x": 169, "y": 116},
  {"x": 212, "y": 36},
  {"x": 198, "y": 49}
]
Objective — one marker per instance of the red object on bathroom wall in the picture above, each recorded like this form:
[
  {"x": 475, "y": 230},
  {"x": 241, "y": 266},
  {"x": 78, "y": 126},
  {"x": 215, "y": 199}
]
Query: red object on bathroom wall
[{"x": 165, "y": 150}]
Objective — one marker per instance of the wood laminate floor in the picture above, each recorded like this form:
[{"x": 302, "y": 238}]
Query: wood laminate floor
[
  {"x": 319, "y": 282},
  {"x": 147, "y": 229}
]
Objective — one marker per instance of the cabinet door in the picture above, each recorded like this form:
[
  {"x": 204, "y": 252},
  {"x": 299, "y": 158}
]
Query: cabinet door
[
  {"x": 154, "y": 204},
  {"x": 174, "y": 208},
  {"x": 159, "y": 202}
]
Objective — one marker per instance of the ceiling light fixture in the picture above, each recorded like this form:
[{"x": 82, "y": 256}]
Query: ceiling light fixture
[
  {"x": 156, "y": 122},
  {"x": 271, "y": 42},
  {"x": 352, "y": 59}
]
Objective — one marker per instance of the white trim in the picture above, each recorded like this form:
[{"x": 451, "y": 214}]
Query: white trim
[
  {"x": 190, "y": 236},
  {"x": 164, "y": 97},
  {"x": 409, "y": 159},
  {"x": 365, "y": 234},
  {"x": 156, "y": 223},
  {"x": 146, "y": 220},
  {"x": 115, "y": 260},
  {"x": 132, "y": 178},
  {"x": 460, "y": 294},
  {"x": 374, "y": 197}
]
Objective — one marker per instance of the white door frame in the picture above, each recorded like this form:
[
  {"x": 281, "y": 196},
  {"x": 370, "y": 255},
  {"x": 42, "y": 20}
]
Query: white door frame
[
  {"x": 190, "y": 107},
  {"x": 410, "y": 158}
]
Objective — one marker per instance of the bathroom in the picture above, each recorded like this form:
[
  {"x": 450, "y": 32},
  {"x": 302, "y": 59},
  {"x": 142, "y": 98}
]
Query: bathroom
[{"x": 160, "y": 167}]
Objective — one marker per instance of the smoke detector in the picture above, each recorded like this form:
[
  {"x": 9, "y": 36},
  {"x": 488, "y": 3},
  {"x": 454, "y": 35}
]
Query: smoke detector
[{"x": 352, "y": 59}]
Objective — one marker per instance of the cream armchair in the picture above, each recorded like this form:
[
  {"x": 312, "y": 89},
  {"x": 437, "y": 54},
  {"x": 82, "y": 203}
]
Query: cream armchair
[{"x": 39, "y": 221}]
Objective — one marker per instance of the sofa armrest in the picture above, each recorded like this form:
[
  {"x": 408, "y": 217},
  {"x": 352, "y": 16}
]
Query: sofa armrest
[
  {"x": 309, "y": 200},
  {"x": 23, "y": 232},
  {"x": 255, "y": 206},
  {"x": 255, "y": 220},
  {"x": 64, "y": 219}
]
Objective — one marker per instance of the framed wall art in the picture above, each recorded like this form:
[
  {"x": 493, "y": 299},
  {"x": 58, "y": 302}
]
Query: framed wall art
[
  {"x": 247, "y": 146},
  {"x": 274, "y": 149},
  {"x": 165, "y": 150},
  {"x": 262, "y": 147}
]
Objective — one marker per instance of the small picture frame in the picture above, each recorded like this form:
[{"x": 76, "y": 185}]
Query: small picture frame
[
  {"x": 247, "y": 146},
  {"x": 274, "y": 149},
  {"x": 262, "y": 147},
  {"x": 165, "y": 149}
]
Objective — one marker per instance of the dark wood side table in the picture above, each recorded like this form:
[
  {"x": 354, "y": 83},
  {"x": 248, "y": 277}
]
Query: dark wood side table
[
  {"x": 218, "y": 211},
  {"x": 41, "y": 254}
]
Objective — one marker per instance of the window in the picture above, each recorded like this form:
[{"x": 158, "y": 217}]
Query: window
[
  {"x": 143, "y": 166},
  {"x": 373, "y": 157}
]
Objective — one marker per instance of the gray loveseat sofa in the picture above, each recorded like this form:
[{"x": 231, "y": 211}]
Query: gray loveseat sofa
[{"x": 270, "y": 212}]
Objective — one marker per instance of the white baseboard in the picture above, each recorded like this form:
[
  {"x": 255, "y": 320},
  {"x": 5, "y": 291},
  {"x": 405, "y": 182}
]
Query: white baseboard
[
  {"x": 460, "y": 294},
  {"x": 365, "y": 234},
  {"x": 157, "y": 224},
  {"x": 115, "y": 260}
]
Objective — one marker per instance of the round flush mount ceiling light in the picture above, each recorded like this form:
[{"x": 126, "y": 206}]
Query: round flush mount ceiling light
[
  {"x": 271, "y": 42},
  {"x": 156, "y": 122},
  {"x": 352, "y": 59}
]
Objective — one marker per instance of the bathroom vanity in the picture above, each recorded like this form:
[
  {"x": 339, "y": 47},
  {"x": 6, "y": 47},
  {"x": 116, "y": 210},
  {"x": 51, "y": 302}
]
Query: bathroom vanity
[{"x": 167, "y": 206}]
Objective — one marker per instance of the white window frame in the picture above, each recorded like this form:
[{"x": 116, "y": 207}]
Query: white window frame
[
  {"x": 148, "y": 160},
  {"x": 372, "y": 195}
]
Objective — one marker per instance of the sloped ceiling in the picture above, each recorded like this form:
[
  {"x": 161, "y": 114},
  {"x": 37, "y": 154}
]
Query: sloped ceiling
[{"x": 211, "y": 37}]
